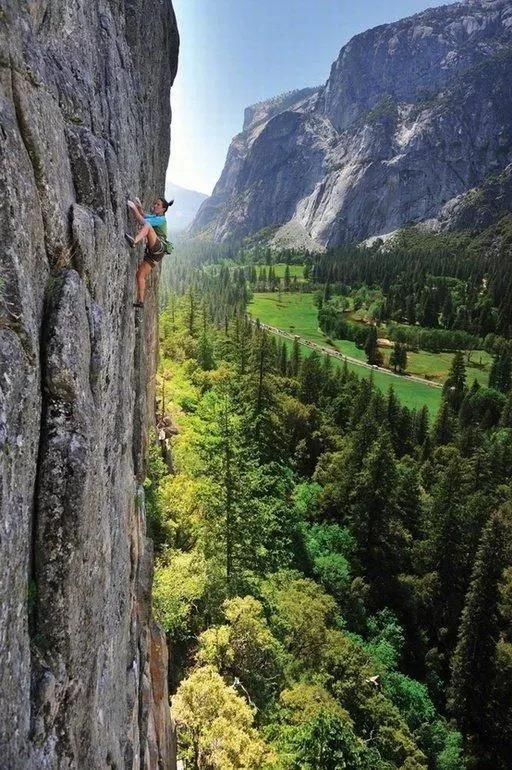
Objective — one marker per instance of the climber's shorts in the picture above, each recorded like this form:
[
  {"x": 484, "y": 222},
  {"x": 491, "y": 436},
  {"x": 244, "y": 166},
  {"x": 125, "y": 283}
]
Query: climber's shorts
[{"x": 154, "y": 255}]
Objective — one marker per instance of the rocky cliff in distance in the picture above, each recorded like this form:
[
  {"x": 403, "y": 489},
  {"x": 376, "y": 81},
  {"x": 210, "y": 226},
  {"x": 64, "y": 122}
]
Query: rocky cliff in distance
[
  {"x": 414, "y": 114},
  {"x": 223, "y": 200},
  {"x": 186, "y": 205},
  {"x": 84, "y": 120}
]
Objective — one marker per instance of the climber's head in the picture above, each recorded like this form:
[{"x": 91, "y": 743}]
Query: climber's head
[{"x": 160, "y": 206}]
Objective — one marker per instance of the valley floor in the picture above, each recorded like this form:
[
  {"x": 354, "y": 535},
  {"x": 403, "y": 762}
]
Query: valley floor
[{"x": 290, "y": 314}]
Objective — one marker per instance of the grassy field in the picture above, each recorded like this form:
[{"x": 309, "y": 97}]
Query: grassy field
[
  {"x": 412, "y": 394},
  {"x": 432, "y": 366},
  {"x": 294, "y": 313},
  {"x": 295, "y": 270},
  {"x": 297, "y": 314},
  {"x": 436, "y": 366}
]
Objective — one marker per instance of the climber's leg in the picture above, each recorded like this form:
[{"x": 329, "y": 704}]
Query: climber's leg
[
  {"x": 143, "y": 232},
  {"x": 147, "y": 232},
  {"x": 143, "y": 271}
]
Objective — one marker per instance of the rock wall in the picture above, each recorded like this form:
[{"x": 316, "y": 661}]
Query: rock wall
[
  {"x": 84, "y": 121},
  {"x": 414, "y": 114}
]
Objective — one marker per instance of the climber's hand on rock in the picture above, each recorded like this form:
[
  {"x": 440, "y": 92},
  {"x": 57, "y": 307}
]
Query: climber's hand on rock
[
  {"x": 138, "y": 203},
  {"x": 131, "y": 205}
]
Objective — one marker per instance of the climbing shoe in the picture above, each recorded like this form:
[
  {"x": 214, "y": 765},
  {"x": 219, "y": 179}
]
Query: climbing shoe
[
  {"x": 129, "y": 240},
  {"x": 138, "y": 304}
]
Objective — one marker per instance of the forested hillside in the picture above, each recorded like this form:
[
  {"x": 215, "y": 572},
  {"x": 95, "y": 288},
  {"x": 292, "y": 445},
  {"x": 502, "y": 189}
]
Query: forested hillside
[{"x": 334, "y": 570}]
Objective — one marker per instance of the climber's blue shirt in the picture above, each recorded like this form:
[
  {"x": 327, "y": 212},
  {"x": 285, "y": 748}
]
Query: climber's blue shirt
[{"x": 158, "y": 223}]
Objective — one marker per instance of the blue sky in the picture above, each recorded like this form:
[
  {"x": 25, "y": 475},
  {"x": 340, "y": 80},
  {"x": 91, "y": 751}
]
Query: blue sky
[{"x": 237, "y": 52}]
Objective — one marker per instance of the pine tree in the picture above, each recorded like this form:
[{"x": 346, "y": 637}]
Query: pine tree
[
  {"x": 361, "y": 401},
  {"x": 371, "y": 510},
  {"x": 448, "y": 523},
  {"x": 402, "y": 360},
  {"x": 287, "y": 278},
  {"x": 283, "y": 359},
  {"x": 261, "y": 360},
  {"x": 329, "y": 381},
  {"x": 444, "y": 426},
  {"x": 429, "y": 309},
  {"x": 398, "y": 357},
  {"x": 258, "y": 398},
  {"x": 474, "y": 660},
  {"x": 454, "y": 388},
  {"x": 242, "y": 339},
  {"x": 394, "y": 357},
  {"x": 403, "y": 439},
  {"x": 410, "y": 310},
  {"x": 372, "y": 351},
  {"x": 408, "y": 499},
  {"x": 345, "y": 373},
  {"x": 421, "y": 424},
  {"x": 506, "y": 415},
  {"x": 205, "y": 348},
  {"x": 367, "y": 429},
  {"x": 311, "y": 378},
  {"x": 296, "y": 358},
  {"x": 447, "y": 313},
  {"x": 205, "y": 356},
  {"x": 393, "y": 415},
  {"x": 191, "y": 312},
  {"x": 466, "y": 407},
  {"x": 500, "y": 376}
]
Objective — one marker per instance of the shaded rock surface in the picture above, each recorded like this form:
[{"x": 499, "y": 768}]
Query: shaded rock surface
[
  {"x": 84, "y": 121},
  {"x": 413, "y": 115},
  {"x": 478, "y": 208}
]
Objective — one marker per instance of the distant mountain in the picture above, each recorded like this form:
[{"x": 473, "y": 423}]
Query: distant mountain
[
  {"x": 413, "y": 115},
  {"x": 186, "y": 205}
]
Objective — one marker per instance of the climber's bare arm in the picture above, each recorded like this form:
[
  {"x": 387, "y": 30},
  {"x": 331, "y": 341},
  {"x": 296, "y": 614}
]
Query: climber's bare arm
[{"x": 137, "y": 213}]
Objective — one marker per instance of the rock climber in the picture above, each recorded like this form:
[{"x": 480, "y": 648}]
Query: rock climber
[{"x": 154, "y": 231}]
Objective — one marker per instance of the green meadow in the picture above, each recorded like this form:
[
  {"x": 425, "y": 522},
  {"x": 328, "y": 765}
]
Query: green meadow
[
  {"x": 296, "y": 271},
  {"x": 295, "y": 313}
]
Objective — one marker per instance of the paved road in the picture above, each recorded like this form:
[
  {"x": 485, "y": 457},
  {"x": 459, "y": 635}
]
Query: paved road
[{"x": 342, "y": 357}]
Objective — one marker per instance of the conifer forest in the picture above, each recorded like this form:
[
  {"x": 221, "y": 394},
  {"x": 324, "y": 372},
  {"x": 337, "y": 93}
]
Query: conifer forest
[{"x": 334, "y": 569}]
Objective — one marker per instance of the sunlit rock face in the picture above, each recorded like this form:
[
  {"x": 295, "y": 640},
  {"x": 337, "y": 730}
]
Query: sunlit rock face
[
  {"x": 84, "y": 121},
  {"x": 414, "y": 114}
]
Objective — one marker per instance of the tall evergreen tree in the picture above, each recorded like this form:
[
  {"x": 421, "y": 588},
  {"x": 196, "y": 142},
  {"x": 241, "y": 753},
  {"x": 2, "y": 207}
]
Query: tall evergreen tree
[
  {"x": 287, "y": 278},
  {"x": 296, "y": 358},
  {"x": 454, "y": 389},
  {"x": 242, "y": 340},
  {"x": 311, "y": 378},
  {"x": 421, "y": 423},
  {"x": 449, "y": 554},
  {"x": 506, "y": 415},
  {"x": 500, "y": 376},
  {"x": 398, "y": 357},
  {"x": 372, "y": 511},
  {"x": 283, "y": 359},
  {"x": 444, "y": 429},
  {"x": 474, "y": 661},
  {"x": 191, "y": 309},
  {"x": 372, "y": 351},
  {"x": 205, "y": 356}
]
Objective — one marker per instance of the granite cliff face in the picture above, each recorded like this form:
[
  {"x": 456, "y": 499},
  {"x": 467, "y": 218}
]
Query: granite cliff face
[
  {"x": 414, "y": 114},
  {"x": 84, "y": 120}
]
